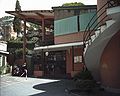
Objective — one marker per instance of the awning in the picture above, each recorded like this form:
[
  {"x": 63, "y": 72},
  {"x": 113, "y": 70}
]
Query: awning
[
  {"x": 4, "y": 52},
  {"x": 58, "y": 47}
]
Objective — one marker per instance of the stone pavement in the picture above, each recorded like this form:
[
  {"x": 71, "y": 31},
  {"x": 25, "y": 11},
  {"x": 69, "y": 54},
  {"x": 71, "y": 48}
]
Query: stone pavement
[{"x": 19, "y": 86}]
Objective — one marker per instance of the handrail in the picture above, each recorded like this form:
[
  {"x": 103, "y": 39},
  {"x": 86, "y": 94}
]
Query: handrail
[
  {"x": 95, "y": 21},
  {"x": 93, "y": 18},
  {"x": 88, "y": 31},
  {"x": 95, "y": 27},
  {"x": 114, "y": 3}
]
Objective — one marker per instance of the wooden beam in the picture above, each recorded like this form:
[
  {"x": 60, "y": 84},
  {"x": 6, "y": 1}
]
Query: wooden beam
[
  {"x": 24, "y": 43},
  {"x": 40, "y": 15},
  {"x": 43, "y": 29},
  {"x": 72, "y": 58}
]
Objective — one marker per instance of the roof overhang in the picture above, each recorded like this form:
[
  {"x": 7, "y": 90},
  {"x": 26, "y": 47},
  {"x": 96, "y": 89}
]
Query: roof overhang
[
  {"x": 34, "y": 16},
  {"x": 58, "y": 47}
]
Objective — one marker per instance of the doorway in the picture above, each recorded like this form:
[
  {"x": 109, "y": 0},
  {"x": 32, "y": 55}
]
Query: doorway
[{"x": 55, "y": 64}]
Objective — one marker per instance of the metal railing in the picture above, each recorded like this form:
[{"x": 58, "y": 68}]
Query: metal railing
[
  {"x": 92, "y": 26},
  {"x": 113, "y": 3}
]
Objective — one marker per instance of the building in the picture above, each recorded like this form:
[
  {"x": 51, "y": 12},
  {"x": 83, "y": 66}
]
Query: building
[
  {"x": 83, "y": 32},
  {"x": 6, "y": 29},
  {"x": 43, "y": 18},
  {"x": 3, "y": 56},
  {"x": 65, "y": 58},
  {"x": 102, "y": 48}
]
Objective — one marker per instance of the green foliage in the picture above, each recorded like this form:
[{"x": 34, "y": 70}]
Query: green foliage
[
  {"x": 85, "y": 82},
  {"x": 6, "y": 17},
  {"x": 32, "y": 26},
  {"x": 17, "y": 22},
  {"x": 73, "y": 4},
  {"x": 17, "y": 25},
  {"x": 19, "y": 44},
  {"x": 86, "y": 85},
  {"x": 83, "y": 75},
  {"x": 33, "y": 33},
  {"x": 18, "y": 7},
  {"x": 6, "y": 20},
  {"x": 16, "y": 47},
  {"x": 19, "y": 53},
  {"x": 2, "y": 68}
]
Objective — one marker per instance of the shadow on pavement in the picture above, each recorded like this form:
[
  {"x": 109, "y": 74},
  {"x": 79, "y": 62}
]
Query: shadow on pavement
[
  {"x": 59, "y": 88},
  {"x": 54, "y": 88}
]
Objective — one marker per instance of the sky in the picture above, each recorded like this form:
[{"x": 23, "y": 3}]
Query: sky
[{"x": 9, "y": 5}]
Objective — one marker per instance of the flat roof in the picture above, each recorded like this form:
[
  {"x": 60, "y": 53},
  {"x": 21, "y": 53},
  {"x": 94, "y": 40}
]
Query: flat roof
[
  {"x": 58, "y": 46},
  {"x": 74, "y": 7},
  {"x": 34, "y": 16}
]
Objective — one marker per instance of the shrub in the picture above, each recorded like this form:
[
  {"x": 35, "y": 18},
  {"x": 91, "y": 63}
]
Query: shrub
[
  {"x": 4, "y": 68},
  {"x": 83, "y": 75},
  {"x": 1, "y": 70},
  {"x": 84, "y": 81}
]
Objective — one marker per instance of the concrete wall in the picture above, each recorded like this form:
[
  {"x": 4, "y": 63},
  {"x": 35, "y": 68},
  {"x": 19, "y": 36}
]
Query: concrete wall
[
  {"x": 110, "y": 63},
  {"x": 63, "y": 14},
  {"x": 69, "y": 11}
]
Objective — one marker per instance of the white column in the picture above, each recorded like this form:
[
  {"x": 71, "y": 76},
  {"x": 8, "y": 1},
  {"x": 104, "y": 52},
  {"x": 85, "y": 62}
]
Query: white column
[{"x": 1, "y": 60}]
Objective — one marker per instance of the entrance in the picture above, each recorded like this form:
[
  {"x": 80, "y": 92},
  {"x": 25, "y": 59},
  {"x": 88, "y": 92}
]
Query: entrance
[{"x": 55, "y": 64}]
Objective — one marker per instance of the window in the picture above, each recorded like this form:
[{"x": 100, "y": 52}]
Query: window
[
  {"x": 93, "y": 10},
  {"x": 77, "y": 59},
  {"x": 77, "y": 12}
]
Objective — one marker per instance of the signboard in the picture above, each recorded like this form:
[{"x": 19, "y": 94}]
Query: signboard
[{"x": 3, "y": 46}]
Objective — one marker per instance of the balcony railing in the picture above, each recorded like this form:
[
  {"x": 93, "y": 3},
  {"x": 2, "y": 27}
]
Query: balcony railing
[
  {"x": 93, "y": 26},
  {"x": 89, "y": 31},
  {"x": 113, "y": 3}
]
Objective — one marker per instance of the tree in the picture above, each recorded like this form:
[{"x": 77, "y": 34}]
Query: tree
[
  {"x": 5, "y": 25},
  {"x": 6, "y": 21},
  {"x": 73, "y": 4},
  {"x": 17, "y": 22}
]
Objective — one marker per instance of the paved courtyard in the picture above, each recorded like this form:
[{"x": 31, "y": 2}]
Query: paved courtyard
[{"x": 19, "y": 86}]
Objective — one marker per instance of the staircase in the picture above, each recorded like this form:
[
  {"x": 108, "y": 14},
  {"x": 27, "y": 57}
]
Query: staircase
[{"x": 96, "y": 40}]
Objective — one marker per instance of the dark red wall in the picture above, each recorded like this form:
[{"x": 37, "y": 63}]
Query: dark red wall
[
  {"x": 110, "y": 63},
  {"x": 70, "y": 67},
  {"x": 75, "y": 37},
  {"x": 100, "y": 4}
]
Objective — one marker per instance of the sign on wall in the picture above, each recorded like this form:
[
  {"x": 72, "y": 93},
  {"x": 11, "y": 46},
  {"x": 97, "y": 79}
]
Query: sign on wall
[{"x": 3, "y": 47}]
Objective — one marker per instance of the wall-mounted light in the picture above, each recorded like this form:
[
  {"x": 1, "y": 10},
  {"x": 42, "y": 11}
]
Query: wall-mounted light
[{"x": 46, "y": 53}]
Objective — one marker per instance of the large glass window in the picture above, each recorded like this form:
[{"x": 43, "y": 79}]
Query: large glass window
[
  {"x": 84, "y": 19},
  {"x": 65, "y": 26},
  {"x": 73, "y": 24}
]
